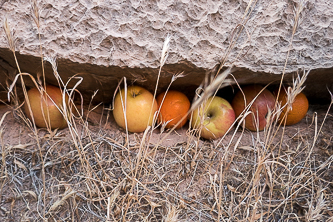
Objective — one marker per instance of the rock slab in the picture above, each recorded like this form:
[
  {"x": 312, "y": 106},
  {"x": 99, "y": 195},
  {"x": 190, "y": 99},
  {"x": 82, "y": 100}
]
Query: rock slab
[{"x": 104, "y": 41}]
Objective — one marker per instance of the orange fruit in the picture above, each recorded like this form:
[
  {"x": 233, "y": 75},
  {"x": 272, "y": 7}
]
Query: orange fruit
[
  {"x": 299, "y": 109},
  {"x": 174, "y": 107}
]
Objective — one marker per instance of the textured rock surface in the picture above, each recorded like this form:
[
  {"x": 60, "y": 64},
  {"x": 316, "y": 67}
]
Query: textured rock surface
[{"x": 105, "y": 40}]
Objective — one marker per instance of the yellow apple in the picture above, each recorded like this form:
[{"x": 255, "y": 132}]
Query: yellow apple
[
  {"x": 45, "y": 107},
  {"x": 215, "y": 118},
  {"x": 140, "y": 107}
]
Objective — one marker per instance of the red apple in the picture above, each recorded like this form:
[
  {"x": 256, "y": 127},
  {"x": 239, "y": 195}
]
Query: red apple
[
  {"x": 214, "y": 117},
  {"x": 264, "y": 102},
  {"x": 140, "y": 108},
  {"x": 45, "y": 107}
]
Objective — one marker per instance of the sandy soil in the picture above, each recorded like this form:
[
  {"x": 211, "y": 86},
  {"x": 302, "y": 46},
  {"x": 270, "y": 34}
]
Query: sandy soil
[{"x": 108, "y": 178}]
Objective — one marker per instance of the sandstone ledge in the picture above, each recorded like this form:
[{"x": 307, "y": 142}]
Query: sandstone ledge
[{"x": 106, "y": 40}]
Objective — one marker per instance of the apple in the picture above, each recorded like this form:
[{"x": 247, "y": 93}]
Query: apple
[
  {"x": 214, "y": 117},
  {"x": 263, "y": 102},
  {"x": 45, "y": 107},
  {"x": 140, "y": 108}
]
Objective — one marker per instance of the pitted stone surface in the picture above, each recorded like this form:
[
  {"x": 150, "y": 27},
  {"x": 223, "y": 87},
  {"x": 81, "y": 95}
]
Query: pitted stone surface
[{"x": 110, "y": 39}]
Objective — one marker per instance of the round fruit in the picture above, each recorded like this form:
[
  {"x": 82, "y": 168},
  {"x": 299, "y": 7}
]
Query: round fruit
[
  {"x": 45, "y": 107},
  {"x": 140, "y": 108},
  {"x": 264, "y": 102},
  {"x": 298, "y": 110},
  {"x": 214, "y": 118},
  {"x": 174, "y": 107}
]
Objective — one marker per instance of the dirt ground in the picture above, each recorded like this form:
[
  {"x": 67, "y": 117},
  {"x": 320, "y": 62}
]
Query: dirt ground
[{"x": 94, "y": 173}]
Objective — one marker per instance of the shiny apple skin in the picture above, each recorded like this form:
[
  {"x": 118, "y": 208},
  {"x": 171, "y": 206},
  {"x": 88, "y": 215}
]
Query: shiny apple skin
[
  {"x": 140, "y": 108},
  {"x": 41, "y": 104},
  {"x": 260, "y": 107},
  {"x": 218, "y": 117}
]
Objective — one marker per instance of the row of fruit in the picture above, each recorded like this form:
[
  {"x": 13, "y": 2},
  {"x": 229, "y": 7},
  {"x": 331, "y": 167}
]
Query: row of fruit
[{"x": 135, "y": 107}]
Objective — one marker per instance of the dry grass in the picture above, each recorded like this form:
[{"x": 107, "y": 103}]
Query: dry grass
[
  {"x": 108, "y": 179},
  {"x": 89, "y": 172}
]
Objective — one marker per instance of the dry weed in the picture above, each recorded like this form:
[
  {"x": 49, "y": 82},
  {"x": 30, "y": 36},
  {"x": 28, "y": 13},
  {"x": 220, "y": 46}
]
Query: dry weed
[{"x": 91, "y": 173}]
